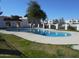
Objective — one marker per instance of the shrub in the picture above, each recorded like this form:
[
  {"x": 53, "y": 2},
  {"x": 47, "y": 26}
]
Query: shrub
[{"x": 71, "y": 28}]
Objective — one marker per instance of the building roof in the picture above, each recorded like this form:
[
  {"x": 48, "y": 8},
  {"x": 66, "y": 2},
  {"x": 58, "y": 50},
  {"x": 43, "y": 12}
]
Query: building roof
[
  {"x": 23, "y": 18},
  {"x": 10, "y": 19}
]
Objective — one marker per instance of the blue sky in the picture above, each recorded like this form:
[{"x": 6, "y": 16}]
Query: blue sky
[{"x": 54, "y": 8}]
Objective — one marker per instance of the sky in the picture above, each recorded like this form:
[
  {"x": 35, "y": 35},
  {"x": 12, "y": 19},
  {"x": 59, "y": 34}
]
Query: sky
[{"x": 68, "y": 9}]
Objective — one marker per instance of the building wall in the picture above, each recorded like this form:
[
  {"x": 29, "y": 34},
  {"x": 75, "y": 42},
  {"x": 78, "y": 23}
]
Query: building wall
[
  {"x": 23, "y": 23},
  {"x": 13, "y": 24},
  {"x": 72, "y": 21},
  {"x": 2, "y": 23}
]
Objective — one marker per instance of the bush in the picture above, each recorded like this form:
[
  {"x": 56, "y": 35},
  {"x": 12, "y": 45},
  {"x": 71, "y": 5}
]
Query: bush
[{"x": 71, "y": 28}]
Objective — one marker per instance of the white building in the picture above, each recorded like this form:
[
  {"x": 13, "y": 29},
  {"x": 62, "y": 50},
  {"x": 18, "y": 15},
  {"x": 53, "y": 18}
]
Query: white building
[
  {"x": 23, "y": 22},
  {"x": 73, "y": 23}
]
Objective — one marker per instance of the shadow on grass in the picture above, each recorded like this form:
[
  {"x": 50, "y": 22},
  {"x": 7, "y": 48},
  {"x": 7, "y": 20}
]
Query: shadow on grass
[
  {"x": 8, "y": 49},
  {"x": 11, "y": 52}
]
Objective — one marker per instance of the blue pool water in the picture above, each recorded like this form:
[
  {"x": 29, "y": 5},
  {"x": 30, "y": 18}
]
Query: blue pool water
[{"x": 41, "y": 32}]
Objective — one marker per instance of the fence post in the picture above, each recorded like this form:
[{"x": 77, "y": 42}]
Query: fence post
[
  {"x": 66, "y": 26},
  {"x": 56, "y": 26}
]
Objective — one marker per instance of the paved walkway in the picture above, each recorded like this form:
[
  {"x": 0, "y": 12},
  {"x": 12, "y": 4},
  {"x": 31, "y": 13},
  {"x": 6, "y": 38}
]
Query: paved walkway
[{"x": 73, "y": 39}]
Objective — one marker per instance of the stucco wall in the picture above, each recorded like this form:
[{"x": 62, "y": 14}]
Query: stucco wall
[
  {"x": 23, "y": 23},
  {"x": 2, "y": 23}
]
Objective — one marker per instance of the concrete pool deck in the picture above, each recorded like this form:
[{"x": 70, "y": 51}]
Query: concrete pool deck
[{"x": 73, "y": 39}]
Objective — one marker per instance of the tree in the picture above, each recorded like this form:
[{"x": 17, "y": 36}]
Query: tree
[
  {"x": 55, "y": 21},
  {"x": 15, "y": 17},
  {"x": 35, "y": 14},
  {"x": 61, "y": 21}
]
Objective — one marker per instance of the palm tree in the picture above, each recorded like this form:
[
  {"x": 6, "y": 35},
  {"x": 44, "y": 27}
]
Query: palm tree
[{"x": 35, "y": 14}]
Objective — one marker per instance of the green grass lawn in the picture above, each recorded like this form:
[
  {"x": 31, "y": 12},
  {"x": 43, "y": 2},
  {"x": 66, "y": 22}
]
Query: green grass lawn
[{"x": 32, "y": 49}]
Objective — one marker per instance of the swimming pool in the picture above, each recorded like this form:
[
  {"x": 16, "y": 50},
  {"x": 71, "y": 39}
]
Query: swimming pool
[{"x": 40, "y": 32}]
